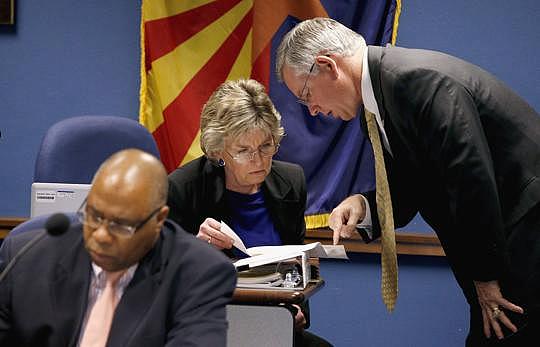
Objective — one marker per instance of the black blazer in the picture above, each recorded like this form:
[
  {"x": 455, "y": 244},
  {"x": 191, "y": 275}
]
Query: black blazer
[
  {"x": 196, "y": 191},
  {"x": 177, "y": 296},
  {"x": 466, "y": 153}
]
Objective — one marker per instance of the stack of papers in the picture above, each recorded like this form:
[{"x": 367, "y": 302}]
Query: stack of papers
[
  {"x": 270, "y": 254},
  {"x": 260, "y": 277}
]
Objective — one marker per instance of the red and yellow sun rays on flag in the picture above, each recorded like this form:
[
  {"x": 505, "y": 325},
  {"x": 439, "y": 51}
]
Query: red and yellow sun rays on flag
[{"x": 188, "y": 48}]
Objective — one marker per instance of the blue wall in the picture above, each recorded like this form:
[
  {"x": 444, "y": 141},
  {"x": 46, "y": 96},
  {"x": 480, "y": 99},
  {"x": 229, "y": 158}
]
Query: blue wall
[
  {"x": 64, "y": 58},
  {"x": 430, "y": 311},
  {"x": 68, "y": 58},
  {"x": 499, "y": 35}
]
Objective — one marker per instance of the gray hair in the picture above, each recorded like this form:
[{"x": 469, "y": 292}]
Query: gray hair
[
  {"x": 235, "y": 108},
  {"x": 314, "y": 37}
]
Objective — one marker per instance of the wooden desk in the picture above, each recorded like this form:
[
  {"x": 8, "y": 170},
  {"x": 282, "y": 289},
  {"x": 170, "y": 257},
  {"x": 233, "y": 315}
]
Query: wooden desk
[
  {"x": 8, "y": 223},
  {"x": 247, "y": 296},
  {"x": 261, "y": 317}
]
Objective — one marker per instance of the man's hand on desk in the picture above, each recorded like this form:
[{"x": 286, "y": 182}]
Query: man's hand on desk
[
  {"x": 345, "y": 217},
  {"x": 210, "y": 231}
]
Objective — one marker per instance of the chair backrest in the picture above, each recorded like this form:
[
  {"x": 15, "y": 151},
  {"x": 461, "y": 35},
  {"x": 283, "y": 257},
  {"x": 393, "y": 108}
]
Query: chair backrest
[
  {"x": 37, "y": 223},
  {"x": 73, "y": 149}
]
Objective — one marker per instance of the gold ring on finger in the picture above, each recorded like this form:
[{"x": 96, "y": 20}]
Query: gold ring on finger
[{"x": 495, "y": 312}]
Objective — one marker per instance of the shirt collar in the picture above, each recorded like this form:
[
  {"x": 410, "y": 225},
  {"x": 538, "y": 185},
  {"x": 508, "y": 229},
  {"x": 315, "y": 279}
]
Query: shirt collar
[
  {"x": 122, "y": 282},
  {"x": 368, "y": 97}
]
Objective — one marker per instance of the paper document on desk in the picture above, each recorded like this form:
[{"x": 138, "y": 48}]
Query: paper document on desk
[
  {"x": 335, "y": 251},
  {"x": 271, "y": 254},
  {"x": 315, "y": 249}
]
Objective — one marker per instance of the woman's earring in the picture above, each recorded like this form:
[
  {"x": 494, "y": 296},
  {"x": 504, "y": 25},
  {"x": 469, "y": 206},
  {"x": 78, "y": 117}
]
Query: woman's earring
[{"x": 221, "y": 162}]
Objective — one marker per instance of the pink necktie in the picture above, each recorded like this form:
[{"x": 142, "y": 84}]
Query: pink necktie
[{"x": 100, "y": 319}]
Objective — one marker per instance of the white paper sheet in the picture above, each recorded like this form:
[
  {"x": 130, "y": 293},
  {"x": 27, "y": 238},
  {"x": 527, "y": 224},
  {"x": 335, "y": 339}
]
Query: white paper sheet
[
  {"x": 337, "y": 251},
  {"x": 265, "y": 254},
  {"x": 237, "y": 241}
]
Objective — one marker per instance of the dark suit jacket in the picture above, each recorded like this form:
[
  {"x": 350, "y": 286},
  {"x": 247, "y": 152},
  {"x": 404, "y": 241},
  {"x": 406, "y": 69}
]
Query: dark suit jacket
[
  {"x": 466, "y": 154},
  {"x": 177, "y": 296},
  {"x": 196, "y": 191}
]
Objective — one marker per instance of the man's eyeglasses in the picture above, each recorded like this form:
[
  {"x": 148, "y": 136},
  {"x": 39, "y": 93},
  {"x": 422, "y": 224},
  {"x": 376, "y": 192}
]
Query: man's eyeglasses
[
  {"x": 94, "y": 221},
  {"x": 301, "y": 99},
  {"x": 244, "y": 156}
]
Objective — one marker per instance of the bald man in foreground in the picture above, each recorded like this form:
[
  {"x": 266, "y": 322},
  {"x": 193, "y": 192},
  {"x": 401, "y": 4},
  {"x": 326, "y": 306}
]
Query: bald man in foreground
[{"x": 123, "y": 276}]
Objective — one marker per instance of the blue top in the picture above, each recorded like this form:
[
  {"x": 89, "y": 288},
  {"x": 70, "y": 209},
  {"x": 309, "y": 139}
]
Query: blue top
[{"x": 251, "y": 220}]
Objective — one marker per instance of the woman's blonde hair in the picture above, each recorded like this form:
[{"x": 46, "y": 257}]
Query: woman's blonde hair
[{"x": 235, "y": 108}]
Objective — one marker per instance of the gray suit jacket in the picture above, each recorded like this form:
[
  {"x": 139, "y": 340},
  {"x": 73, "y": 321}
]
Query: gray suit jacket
[
  {"x": 177, "y": 296},
  {"x": 466, "y": 154}
]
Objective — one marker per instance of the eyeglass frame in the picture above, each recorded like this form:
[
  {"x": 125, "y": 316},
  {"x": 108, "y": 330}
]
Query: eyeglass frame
[
  {"x": 130, "y": 229},
  {"x": 300, "y": 98},
  {"x": 252, "y": 154}
]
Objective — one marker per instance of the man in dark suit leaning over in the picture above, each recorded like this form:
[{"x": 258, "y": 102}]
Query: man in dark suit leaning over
[
  {"x": 169, "y": 288},
  {"x": 460, "y": 148}
]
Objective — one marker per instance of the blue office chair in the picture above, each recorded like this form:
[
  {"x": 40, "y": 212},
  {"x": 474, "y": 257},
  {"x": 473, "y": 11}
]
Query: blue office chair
[
  {"x": 73, "y": 149},
  {"x": 38, "y": 223}
]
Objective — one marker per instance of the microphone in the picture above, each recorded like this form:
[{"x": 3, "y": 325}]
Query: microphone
[{"x": 56, "y": 225}]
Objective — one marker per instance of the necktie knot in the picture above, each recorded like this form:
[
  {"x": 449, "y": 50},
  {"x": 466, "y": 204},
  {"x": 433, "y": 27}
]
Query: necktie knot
[{"x": 112, "y": 278}]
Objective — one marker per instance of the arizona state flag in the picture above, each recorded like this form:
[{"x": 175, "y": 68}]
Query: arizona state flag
[{"x": 189, "y": 47}]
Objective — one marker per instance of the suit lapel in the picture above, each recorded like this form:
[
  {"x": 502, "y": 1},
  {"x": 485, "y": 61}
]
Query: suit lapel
[
  {"x": 374, "y": 61},
  {"x": 402, "y": 167},
  {"x": 215, "y": 191},
  {"x": 139, "y": 294},
  {"x": 375, "y": 55},
  {"x": 275, "y": 190},
  {"x": 69, "y": 287}
]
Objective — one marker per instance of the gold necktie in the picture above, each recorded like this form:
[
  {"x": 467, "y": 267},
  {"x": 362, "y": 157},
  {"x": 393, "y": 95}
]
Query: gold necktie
[{"x": 389, "y": 281}]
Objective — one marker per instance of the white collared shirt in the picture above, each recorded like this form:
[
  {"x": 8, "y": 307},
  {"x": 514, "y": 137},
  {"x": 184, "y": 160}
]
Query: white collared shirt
[{"x": 370, "y": 103}]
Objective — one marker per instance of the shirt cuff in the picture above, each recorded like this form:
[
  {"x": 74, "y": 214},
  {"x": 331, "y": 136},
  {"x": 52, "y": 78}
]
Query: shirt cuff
[{"x": 366, "y": 224}]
